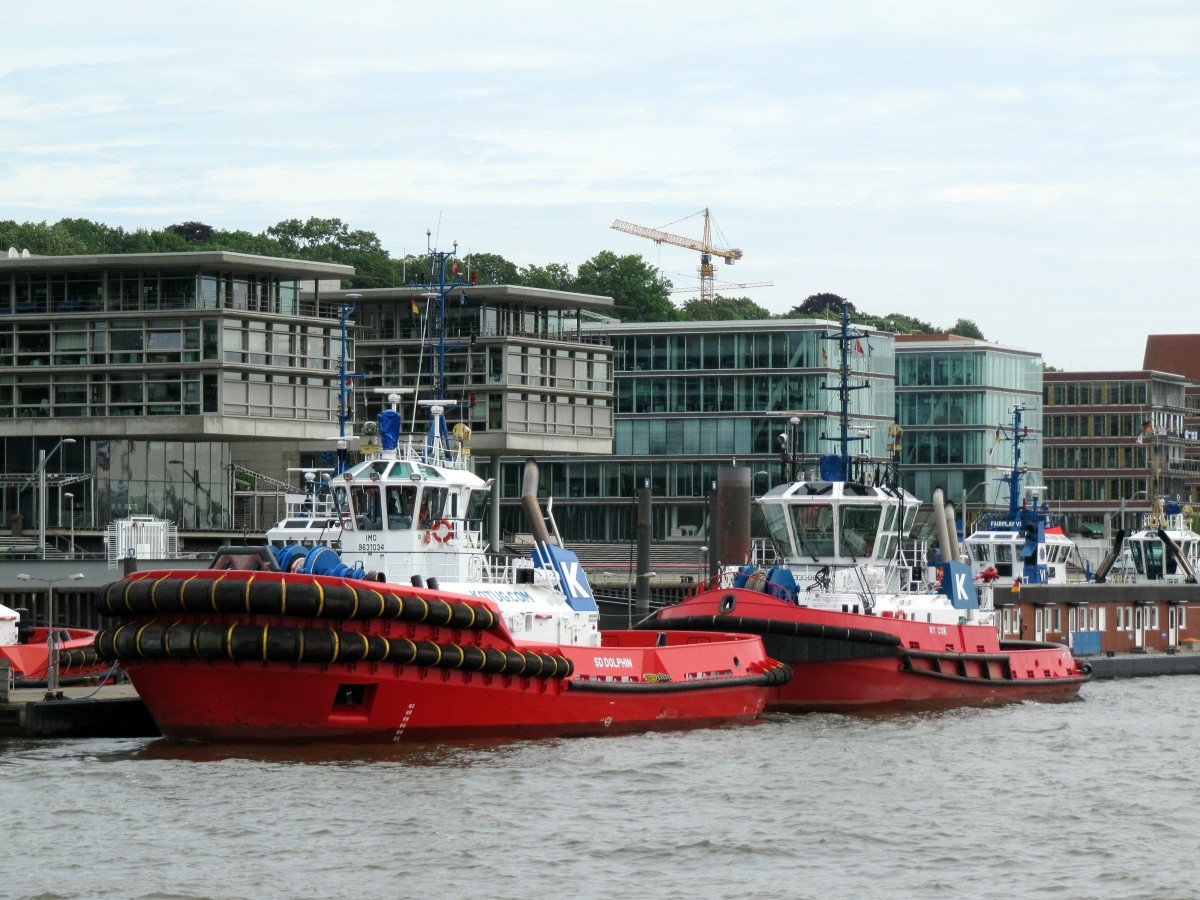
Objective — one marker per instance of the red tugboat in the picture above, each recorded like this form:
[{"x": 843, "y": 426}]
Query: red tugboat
[
  {"x": 414, "y": 632},
  {"x": 854, "y": 609},
  {"x": 27, "y": 649},
  {"x": 381, "y": 614}
]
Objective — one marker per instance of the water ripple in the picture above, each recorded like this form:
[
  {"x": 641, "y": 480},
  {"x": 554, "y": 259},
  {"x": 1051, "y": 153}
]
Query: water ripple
[{"x": 1079, "y": 800}]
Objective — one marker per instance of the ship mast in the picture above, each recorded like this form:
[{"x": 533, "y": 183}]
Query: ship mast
[
  {"x": 844, "y": 335},
  {"x": 1013, "y": 478}
]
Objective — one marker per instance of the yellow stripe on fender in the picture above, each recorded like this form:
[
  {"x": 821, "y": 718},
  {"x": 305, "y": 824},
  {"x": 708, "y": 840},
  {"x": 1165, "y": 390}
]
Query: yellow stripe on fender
[{"x": 137, "y": 641}]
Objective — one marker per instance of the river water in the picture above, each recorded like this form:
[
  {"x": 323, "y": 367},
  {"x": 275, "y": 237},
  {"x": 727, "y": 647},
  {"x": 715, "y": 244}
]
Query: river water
[{"x": 1095, "y": 798}]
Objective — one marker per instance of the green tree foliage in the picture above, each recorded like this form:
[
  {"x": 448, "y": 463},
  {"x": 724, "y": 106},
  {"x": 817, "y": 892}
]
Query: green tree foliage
[
  {"x": 243, "y": 242},
  {"x": 331, "y": 240},
  {"x": 639, "y": 293},
  {"x": 820, "y": 306},
  {"x": 192, "y": 232},
  {"x": 555, "y": 276},
  {"x": 898, "y": 323},
  {"x": 489, "y": 268},
  {"x": 66, "y": 237},
  {"x": 966, "y": 328},
  {"x": 722, "y": 308}
]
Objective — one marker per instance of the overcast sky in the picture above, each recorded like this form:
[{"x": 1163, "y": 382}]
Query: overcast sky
[{"x": 1031, "y": 166}]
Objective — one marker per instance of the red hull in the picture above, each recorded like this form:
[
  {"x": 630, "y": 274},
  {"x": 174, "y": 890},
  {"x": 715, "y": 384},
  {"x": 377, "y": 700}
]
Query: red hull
[
  {"x": 30, "y": 661},
  {"x": 631, "y": 683},
  {"x": 227, "y": 701},
  {"x": 851, "y": 662}
]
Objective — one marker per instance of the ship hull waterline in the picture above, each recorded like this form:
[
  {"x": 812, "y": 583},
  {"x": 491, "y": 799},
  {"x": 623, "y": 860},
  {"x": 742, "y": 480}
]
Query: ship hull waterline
[
  {"x": 222, "y": 700},
  {"x": 848, "y": 662}
]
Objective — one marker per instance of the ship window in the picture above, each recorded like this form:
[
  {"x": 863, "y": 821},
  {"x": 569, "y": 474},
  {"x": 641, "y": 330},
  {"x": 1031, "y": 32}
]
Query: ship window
[
  {"x": 341, "y": 500},
  {"x": 889, "y": 517},
  {"x": 433, "y": 502},
  {"x": 477, "y": 505},
  {"x": 888, "y": 548},
  {"x": 859, "y": 526},
  {"x": 814, "y": 529},
  {"x": 401, "y": 501},
  {"x": 368, "y": 512},
  {"x": 981, "y": 552}
]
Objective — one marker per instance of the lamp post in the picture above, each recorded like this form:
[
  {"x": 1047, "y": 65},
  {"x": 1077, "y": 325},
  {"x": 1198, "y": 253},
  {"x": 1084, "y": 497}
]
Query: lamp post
[
  {"x": 1124, "y": 500},
  {"x": 43, "y": 458},
  {"x": 71, "y": 509},
  {"x": 51, "y": 632}
]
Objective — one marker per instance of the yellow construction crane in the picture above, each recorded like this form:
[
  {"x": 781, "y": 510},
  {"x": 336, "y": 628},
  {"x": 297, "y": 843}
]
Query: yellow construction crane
[{"x": 705, "y": 246}]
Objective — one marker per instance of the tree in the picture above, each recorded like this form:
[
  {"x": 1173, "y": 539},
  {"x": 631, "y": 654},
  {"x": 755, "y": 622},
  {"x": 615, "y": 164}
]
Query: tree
[
  {"x": 966, "y": 328},
  {"x": 244, "y": 242},
  {"x": 899, "y": 323},
  {"x": 555, "y": 276},
  {"x": 321, "y": 236},
  {"x": 145, "y": 241},
  {"x": 192, "y": 232},
  {"x": 35, "y": 237},
  {"x": 639, "y": 294},
  {"x": 331, "y": 240},
  {"x": 489, "y": 268},
  {"x": 721, "y": 309},
  {"x": 821, "y": 306}
]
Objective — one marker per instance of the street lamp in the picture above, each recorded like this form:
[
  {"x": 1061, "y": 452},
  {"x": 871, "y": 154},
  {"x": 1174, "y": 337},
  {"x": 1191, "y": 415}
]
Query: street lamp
[
  {"x": 1124, "y": 500},
  {"x": 43, "y": 458},
  {"x": 71, "y": 504},
  {"x": 51, "y": 632}
]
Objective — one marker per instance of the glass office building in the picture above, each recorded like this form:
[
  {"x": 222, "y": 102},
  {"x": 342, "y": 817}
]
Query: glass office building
[
  {"x": 163, "y": 371},
  {"x": 692, "y": 397},
  {"x": 954, "y": 399}
]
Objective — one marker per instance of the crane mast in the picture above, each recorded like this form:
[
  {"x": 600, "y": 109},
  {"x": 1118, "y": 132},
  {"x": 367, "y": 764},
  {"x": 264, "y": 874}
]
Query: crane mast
[{"x": 705, "y": 246}]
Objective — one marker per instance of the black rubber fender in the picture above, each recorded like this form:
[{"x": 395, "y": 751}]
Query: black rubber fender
[
  {"x": 278, "y": 597},
  {"x": 77, "y": 658},
  {"x": 268, "y": 643},
  {"x": 747, "y": 625}
]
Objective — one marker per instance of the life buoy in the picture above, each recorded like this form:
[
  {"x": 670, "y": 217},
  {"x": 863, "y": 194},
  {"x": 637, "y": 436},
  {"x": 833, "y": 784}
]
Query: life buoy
[{"x": 440, "y": 531}]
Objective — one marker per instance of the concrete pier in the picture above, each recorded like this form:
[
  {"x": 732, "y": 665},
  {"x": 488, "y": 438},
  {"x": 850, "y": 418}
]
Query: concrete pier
[{"x": 84, "y": 711}]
